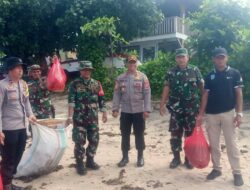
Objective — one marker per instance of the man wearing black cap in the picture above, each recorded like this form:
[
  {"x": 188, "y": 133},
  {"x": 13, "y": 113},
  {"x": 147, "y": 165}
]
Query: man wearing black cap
[
  {"x": 222, "y": 101},
  {"x": 15, "y": 114}
]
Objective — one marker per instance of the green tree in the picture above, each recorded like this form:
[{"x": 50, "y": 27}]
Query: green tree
[
  {"x": 217, "y": 23},
  {"x": 240, "y": 59},
  {"x": 221, "y": 23},
  {"x": 156, "y": 71},
  {"x": 98, "y": 40},
  {"x": 35, "y": 27},
  {"x": 136, "y": 17},
  {"x": 28, "y": 27}
]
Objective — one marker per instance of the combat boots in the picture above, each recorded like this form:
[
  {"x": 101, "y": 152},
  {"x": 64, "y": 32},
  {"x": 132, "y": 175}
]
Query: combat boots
[
  {"x": 176, "y": 161},
  {"x": 188, "y": 164},
  {"x": 140, "y": 159},
  {"x": 80, "y": 168},
  {"x": 124, "y": 161},
  {"x": 91, "y": 164}
]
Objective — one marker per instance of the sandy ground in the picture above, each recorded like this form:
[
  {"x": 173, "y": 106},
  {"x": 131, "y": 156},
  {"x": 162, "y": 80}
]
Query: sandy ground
[{"x": 154, "y": 175}]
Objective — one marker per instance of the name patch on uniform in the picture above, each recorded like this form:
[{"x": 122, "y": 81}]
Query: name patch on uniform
[
  {"x": 212, "y": 77},
  {"x": 12, "y": 94},
  {"x": 138, "y": 85},
  {"x": 80, "y": 88}
]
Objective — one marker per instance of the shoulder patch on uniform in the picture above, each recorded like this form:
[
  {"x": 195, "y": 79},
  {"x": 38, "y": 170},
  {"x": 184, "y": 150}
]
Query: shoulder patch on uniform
[
  {"x": 25, "y": 88},
  {"x": 116, "y": 86},
  {"x": 146, "y": 84}
]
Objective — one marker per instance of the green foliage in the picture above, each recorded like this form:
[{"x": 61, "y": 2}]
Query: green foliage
[
  {"x": 240, "y": 59},
  {"x": 217, "y": 23},
  {"x": 104, "y": 29},
  {"x": 226, "y": 24},
  {"x": 27, "y": 27},
  {"x": 102, "y": 74},
  {"x": 156, "y": 71},
  {"x": 97, "y": 41},
  {"x": 37, "y": 27}
]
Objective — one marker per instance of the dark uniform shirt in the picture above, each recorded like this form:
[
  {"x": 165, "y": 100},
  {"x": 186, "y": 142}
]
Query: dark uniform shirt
[{"x": 221, "y": 87}]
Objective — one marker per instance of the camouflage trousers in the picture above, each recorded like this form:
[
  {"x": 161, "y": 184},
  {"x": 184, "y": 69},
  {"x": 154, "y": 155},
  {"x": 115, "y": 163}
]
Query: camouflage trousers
[
  {"x": 180, "y": 125},
  {"x": 80, "y": 135},
  {"x": 49, "y": 113}
]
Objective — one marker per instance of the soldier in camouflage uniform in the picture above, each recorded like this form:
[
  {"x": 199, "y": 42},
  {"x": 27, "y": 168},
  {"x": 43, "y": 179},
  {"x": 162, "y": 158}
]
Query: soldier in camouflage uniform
[
  {"x": 39, "y": 94},
  {"x": 181, "y": 91},
  {"x": 85, "y": 96}
]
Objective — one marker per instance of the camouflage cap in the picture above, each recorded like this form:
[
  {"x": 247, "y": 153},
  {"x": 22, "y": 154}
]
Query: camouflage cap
[
  {"x": 85, "y": 65},
  {"x": 181, "y": 52},
  {"x": 34, "y": 67}
]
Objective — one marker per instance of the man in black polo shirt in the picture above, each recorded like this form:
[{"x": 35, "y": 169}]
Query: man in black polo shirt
[{"x": 222, "y": 101}]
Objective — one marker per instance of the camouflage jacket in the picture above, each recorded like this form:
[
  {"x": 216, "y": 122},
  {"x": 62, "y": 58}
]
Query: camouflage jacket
[
  {"x": 184, "y": 89},
  {"x": 86, "y": 96},
  {"x": 40, "y": 98}
]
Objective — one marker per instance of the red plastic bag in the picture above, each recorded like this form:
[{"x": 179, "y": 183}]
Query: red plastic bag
[
  {"x": 197, "y": 149},
  {"x": 1, "y": 183},
  {"x": 101, "y": 92},
  {"x": 56, "y": 78}
]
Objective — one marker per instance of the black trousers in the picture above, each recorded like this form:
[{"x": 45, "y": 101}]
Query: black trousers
[
  {"x": 138, "y": 122},
  {"x": 12, "y": 151}
]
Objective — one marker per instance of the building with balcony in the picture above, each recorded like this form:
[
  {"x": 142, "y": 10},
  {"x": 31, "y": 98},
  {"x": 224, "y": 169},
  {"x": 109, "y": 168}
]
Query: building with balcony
[{"x": 168, "y": 35}]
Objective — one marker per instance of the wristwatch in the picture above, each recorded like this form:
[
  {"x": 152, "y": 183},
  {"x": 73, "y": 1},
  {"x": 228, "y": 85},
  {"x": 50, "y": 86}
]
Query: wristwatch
[{"x": 240, "y": 114}]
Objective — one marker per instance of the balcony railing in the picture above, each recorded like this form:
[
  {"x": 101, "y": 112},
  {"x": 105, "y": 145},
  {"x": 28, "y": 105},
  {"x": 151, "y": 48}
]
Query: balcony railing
[{"x": 171, "y": 25}]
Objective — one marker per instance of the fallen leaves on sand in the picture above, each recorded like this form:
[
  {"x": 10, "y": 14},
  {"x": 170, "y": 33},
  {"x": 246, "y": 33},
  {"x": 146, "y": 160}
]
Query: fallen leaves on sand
[
  {"x": 116, "y": 181},
  {"x": 129, "y": 187},
  {"x": 154, "y": 184}
]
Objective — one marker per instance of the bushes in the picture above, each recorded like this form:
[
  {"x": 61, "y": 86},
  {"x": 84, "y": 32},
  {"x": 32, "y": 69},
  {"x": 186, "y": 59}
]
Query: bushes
[
  {"x": 156, "y": 71},
  {"x": 107, "y": 78}
]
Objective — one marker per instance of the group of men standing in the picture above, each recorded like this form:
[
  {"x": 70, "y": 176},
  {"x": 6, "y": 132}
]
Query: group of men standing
[
  {"x": 185, "y": 97},
  {"x": 221, "y": 100}
]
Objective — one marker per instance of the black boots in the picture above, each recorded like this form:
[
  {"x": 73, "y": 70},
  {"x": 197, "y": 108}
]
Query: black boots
[
  {"x": 80, "y": 168},
  {"x": 140, "y": 159},
  {"x": 238, "y": 181},
  {"x": 213, "y": 174},
  {"x": 188, "y": 164},
  {"x": 91, "y": 164},
  {"x": 124, "y": 161},
  {"x": 176, "y": 160}
]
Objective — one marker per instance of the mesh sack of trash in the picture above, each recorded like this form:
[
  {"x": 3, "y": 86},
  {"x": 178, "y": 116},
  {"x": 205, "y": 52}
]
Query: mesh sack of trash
[{"x": 49, "y": 141}]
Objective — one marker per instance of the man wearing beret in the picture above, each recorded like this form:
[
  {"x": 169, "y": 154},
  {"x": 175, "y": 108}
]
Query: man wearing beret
[
  {"x": 39, "y": 94},
  {"x": 181, "y": 92},
  {"x": 85, "y": 96},
  {"x": 15, "y": 114},
  {"x": 222, "y": 101},
  {"x": 132, "y": 92}
]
